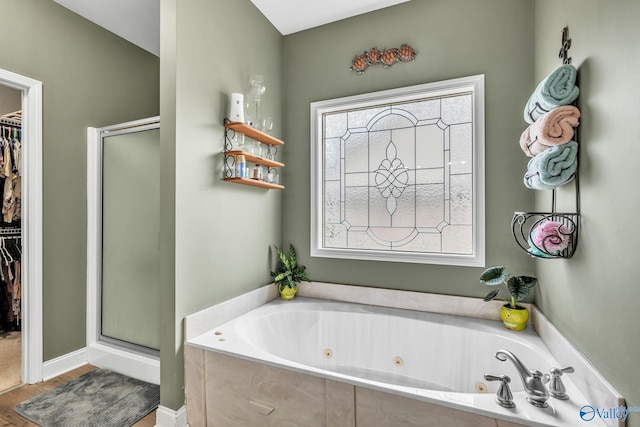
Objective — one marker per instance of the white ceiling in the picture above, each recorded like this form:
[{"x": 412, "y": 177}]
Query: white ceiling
[
  {"x": 139, "y": 20},
  {"x": 135, "y": 20},
  {"x": 291, "y": 16}
]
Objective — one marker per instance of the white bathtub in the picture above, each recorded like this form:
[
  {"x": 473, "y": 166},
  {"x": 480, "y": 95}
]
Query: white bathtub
[{"x": 436, "y": 358}]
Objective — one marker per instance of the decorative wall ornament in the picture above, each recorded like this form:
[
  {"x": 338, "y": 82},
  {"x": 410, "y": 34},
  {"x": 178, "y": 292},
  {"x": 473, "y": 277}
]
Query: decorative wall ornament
[{"x": 387, "y": 57}]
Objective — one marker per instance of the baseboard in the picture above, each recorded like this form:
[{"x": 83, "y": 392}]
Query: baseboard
[
  {"x": 166, "y": 417},
  {"x": 65, "y": 363},
  {"x": 142, "y": 367}
]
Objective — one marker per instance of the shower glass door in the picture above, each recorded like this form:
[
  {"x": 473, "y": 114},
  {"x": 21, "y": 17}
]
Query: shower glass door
[{"x": 129, "y": 290}]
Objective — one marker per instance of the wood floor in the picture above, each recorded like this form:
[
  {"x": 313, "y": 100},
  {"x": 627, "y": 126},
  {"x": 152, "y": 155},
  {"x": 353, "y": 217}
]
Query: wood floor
[{"x": 11, "y": 398}]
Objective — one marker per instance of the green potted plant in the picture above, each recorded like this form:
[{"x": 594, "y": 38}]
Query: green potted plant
[
  {"x": 288, "y": 274},
  {"x": 513, "y": 316}
]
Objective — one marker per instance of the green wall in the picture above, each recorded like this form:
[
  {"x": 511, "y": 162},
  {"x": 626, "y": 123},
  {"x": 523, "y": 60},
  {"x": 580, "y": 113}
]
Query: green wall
[
  {"x": 453, "y": 39},
  {"x": 217, "y": 235},
  {"x": 91, "y": 78},
  {"x": 592, "y": 298},
  {"x": 10, "y": 99}
]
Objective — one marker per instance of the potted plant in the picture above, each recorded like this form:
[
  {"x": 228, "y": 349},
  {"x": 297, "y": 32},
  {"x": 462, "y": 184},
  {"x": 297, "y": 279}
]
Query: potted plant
[
  {"x": 288, "y": 274},
  {"x": 513, "y": 316}
]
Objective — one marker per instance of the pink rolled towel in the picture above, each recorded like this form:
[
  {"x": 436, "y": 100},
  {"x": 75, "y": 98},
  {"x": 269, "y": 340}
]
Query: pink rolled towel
[
  {"x": 553, "y": 128},
  {"x": 551, "y": 237}
]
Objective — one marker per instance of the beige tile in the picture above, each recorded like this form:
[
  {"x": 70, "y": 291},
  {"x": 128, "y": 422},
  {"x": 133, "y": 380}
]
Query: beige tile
[
  {"x": 375, "y": 408},
  {"x": 195, "y": 386},
  {"x": 243, "y": 394},
  {"x": 340, "y": 404},
  {"x": 501, "y": 423},
  {"x": 408, "y": 300}
]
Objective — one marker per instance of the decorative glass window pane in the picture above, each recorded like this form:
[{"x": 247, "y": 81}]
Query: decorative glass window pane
[{"x": 398, "y": 175}]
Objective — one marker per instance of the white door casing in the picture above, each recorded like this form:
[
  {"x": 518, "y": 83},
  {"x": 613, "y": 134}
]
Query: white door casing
[{"x": 32, "y": 191}]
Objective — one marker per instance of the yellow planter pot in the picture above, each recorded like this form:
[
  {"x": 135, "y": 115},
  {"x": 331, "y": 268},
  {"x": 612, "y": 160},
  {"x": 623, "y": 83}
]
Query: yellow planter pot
[
  {"x": 288, "y": 293},
  {"x": 514, "y": 318}
]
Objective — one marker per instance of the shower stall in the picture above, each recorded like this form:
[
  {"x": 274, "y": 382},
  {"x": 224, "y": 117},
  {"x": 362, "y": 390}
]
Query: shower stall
[{"x": 123, "y": 264}]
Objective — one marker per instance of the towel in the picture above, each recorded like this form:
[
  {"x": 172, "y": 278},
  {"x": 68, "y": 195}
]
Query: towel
[
  {"x": 533, "y": 250},
  {"x": 553, "y": 128},
  {"x": 557, "y": 89},
  {"x": 549, "y": 238},
  {"x": 553, "y": 167}
]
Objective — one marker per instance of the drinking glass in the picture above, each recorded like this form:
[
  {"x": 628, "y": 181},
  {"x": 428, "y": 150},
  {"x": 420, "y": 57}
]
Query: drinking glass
[
  {"x": 257, "y": 89},
  {"x": 267, "y": 124}
]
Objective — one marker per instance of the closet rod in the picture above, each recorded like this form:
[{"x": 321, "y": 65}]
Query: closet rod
[
  {"x": 10, "y": 122},
  {"x": 10, "y": 232}
]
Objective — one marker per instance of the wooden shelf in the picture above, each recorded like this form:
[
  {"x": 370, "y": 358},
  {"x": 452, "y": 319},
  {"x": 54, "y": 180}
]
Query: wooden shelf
[
  {"x": 252, "y": 133},
  {"x": 255, "y": 183},
  {"x": 255, "y": 159},
  {"x": 256, "y": 135}
]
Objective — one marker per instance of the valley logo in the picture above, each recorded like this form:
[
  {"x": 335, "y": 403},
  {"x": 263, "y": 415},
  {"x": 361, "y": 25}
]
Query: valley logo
[{"x": 589, "y": 413}]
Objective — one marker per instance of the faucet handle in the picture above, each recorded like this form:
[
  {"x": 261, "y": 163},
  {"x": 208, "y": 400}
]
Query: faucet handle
[
  {"x": 556, "y": 387},
  {"x": 503, "y": 397}
]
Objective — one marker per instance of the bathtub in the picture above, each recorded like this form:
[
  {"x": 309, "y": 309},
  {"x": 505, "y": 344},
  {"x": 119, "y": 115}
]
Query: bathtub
[{"x": 436, "y": 359}]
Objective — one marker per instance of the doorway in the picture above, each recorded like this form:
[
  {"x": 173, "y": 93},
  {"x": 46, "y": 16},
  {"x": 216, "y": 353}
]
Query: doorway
[
  {"x": 10, "y": 238},
  {"x": 29, "y": 309}
]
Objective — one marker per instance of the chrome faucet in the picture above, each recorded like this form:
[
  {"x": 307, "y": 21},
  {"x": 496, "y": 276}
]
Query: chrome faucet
[{"x": 532, "y": 380}]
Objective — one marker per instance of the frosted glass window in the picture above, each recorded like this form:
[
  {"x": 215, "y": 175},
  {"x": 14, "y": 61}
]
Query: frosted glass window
[{"x": 398, "y": 175}]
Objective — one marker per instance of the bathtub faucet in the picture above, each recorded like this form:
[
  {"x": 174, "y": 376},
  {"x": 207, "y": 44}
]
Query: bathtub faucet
[{"x": 532, "y": 380}]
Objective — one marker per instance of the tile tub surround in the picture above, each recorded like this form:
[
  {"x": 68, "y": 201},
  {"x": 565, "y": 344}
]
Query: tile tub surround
[
  {"x": 599, "y": 393},
  {"x": 235, "y": 392}
]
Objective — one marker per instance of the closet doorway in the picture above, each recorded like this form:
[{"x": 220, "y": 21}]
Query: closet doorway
[
  {"x": 10, "y": 238},
  {"x": 20, "y": 230}
]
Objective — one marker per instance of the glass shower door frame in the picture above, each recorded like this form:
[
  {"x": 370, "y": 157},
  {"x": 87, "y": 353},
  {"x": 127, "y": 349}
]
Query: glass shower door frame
[{"x": 130, "y": 359}]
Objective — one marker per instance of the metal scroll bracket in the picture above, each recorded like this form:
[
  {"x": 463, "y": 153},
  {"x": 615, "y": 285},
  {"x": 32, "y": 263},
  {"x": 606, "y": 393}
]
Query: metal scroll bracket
[
  {"x": 548, "y": 235},
  {"x": 564, "y": 49}
]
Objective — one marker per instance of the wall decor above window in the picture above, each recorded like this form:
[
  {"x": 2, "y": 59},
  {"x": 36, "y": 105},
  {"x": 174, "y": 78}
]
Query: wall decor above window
[
  {"x": 398, "y": 175},
  {"x": 386, "y": 57}
]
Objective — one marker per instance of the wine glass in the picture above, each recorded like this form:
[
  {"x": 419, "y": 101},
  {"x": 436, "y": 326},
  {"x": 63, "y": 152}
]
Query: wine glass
[
  {"x": 267, "y": 124},
  {"x": 256, "y": 83},
  {"x": 257, "y": 89}
]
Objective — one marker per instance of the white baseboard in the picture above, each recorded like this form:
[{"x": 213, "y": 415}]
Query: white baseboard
[
  {"x": 166, "y": 417},
  {"x": 144, "y": 368},
  {"x": 65, "y": 363}
]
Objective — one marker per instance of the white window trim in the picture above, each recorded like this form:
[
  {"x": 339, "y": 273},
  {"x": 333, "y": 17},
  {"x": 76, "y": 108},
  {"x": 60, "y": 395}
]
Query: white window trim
[{"x": 473, "y": 84}]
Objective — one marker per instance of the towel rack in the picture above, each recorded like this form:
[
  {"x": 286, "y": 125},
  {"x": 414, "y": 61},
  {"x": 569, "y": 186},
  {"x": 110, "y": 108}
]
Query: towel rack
[{"x": 566, "y": 225}]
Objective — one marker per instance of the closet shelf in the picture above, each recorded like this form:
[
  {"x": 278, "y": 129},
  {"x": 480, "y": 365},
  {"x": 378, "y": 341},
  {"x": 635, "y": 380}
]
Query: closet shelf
[{"x": 255, "y": 183}]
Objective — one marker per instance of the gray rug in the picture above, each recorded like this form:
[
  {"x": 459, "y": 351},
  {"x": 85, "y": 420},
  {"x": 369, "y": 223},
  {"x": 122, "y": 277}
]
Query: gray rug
[{"x": 99, "y": 398}]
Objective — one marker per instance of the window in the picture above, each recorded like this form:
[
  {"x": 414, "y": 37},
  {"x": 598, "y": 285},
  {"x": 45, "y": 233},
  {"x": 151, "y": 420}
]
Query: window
[{"x": 398, "y": 175}]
